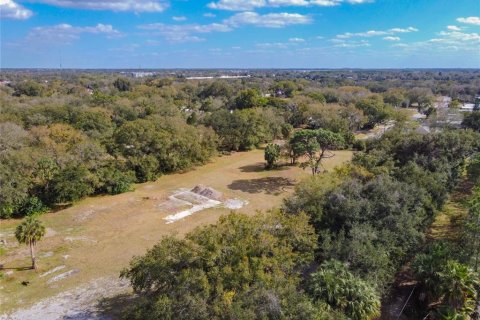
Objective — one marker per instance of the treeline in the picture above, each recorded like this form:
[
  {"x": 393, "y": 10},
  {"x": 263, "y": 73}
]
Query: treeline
[
  {"x": 374, "y": 215},
  {"x": 62, "y": 139},
  {"x": 331, "y": 253},
  {"x": 447, "y": 269}
]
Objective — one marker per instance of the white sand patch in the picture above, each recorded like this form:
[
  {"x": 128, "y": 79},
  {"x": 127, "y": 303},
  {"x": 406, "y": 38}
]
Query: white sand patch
[
  {"x": 85, "y": 215},
  {"x": 80, "y": 303},
  {"x": 84, "y": 239},
  {"x": 47, "y": 254},
  {"x": 186, "y": 197},
  {"x": 182, "y": 214},
  {"x": 49, "y": 232},
  {"x": 198, "y": 199},
  {"x": 52, "y": 271},
  {"x": 235, "y": 204},
  {"x": 64, "y": 275}
]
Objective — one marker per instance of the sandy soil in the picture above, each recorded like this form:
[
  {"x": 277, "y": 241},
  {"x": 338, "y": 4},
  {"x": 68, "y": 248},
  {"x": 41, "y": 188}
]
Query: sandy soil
[
  {"x": 81, "y": 303},
  {"x": 97, "y": 237}
]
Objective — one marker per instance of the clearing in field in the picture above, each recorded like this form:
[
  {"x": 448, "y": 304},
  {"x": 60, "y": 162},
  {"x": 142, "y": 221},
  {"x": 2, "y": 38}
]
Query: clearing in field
[{"x": 93, "y": 240}]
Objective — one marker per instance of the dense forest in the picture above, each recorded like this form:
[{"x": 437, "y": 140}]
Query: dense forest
[{"x": 334, "y": 248}]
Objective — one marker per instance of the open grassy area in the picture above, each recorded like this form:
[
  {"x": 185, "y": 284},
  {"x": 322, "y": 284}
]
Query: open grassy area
[{"x": 98, "y": 236}]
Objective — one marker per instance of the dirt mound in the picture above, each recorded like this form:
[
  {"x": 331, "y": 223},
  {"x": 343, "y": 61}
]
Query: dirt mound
[{"x": 207, "y": 192}]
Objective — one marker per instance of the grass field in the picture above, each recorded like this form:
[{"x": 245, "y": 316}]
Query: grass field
[{"x": 98, "y": 236}]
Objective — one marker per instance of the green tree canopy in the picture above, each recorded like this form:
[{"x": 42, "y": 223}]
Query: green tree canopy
[
  {"x": 315, "y": 145},
  {"x": 216, "y": 270},
  {"x": 272, "y": 154}
]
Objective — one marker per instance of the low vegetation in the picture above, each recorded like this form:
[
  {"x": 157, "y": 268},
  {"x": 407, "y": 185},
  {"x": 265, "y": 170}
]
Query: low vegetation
[
  {"x": 362, "y": 224},
  {"x": 335, "y": 246}
]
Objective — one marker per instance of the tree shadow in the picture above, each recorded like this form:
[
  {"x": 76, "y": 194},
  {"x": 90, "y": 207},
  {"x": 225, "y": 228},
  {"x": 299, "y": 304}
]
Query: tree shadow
[
  {"x": 260, "y": 167},
  {"x": 16, "y": 268},
  {"x": 268, "y": 185},
  {"x": 116, "y": 306},
  {"x": 106, "y": 309}
]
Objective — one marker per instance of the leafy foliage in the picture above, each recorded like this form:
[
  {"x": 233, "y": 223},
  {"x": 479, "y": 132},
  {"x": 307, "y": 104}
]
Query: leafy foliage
[
  {"x": 272, "y": 154},
  {"x": 237, "y": 269},
  {"x": 333, "y": 283},
  {"x": 316, "y": 145}
]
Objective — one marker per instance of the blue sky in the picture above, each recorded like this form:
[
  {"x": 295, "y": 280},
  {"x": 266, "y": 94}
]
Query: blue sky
[{"x": 240, "y": 33}]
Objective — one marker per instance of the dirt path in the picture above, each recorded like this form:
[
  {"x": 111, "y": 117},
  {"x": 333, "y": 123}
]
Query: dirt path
[{"x": 97, "y": 237}]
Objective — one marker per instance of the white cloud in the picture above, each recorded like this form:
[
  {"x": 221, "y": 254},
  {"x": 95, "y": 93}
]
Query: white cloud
[
  {"x": 189, "y": 32},
  {"x": 184, "y": 33},
  {"x": 449, "y": 36},
  {"x": 237, "y": 5},
  {"x": 269, "y": 20},
  {"x": 179, "y": 18},
  {"x": 470, "y": 20},
  {"x": 375, "y": 33},
  {"x": 12, "y": 10},
  {"x": 296, "y": 40},
  {"x": 325, "y": 3},
  {"x": 209, "y": 15},
  {"x": 350, "y": 44},
  {"x": 454, "y": 28},
  {"x": 243, "y": 5},
  {"x": 390, "y": 38},
  {"x": 359, "y": 1},
  {"x": 112, "y": 5},
  {"x": 402, "y": 30},
  {"x": 281, "y": 45},
  {"x": 66, "y": 33},
  {"x": 400, "y": 45},
  {"x": 446, "y": 41},
  {"x": 268, "y": 45},
  {"x": 370, "y": 33}
]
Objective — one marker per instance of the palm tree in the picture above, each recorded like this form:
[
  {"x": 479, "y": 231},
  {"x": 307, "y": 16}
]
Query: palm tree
[
  {"x": 29, "y": 232},
  {"x": 336, "y": 285},
  {"x": 458, "y": 284}
]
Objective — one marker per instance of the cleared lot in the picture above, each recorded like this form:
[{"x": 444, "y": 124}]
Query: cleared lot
[{"x": 97, "y": 237}]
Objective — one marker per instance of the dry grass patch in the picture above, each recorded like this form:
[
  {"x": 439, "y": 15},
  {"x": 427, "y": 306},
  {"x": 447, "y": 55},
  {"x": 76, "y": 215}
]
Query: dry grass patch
[{"x": 98, "y": 236}]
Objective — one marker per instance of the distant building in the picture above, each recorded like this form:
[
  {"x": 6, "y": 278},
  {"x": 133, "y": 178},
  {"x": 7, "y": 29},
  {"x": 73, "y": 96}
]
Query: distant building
[{"x": 467, "y": 107}]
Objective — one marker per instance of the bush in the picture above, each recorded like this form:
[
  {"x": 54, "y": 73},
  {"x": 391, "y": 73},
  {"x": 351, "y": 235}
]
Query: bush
[
  {"x": 31, "y": 206},
  {"x": 360, "y": 145},
  {"x": 335, "y": 285},
  {"x": 272, "y": 153},
  {"x": 122, "y": 84},
  {"x": 28, "y": 88},
  {"x": 115, "y": 180},
  {"x": 72, "y": 184}
]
